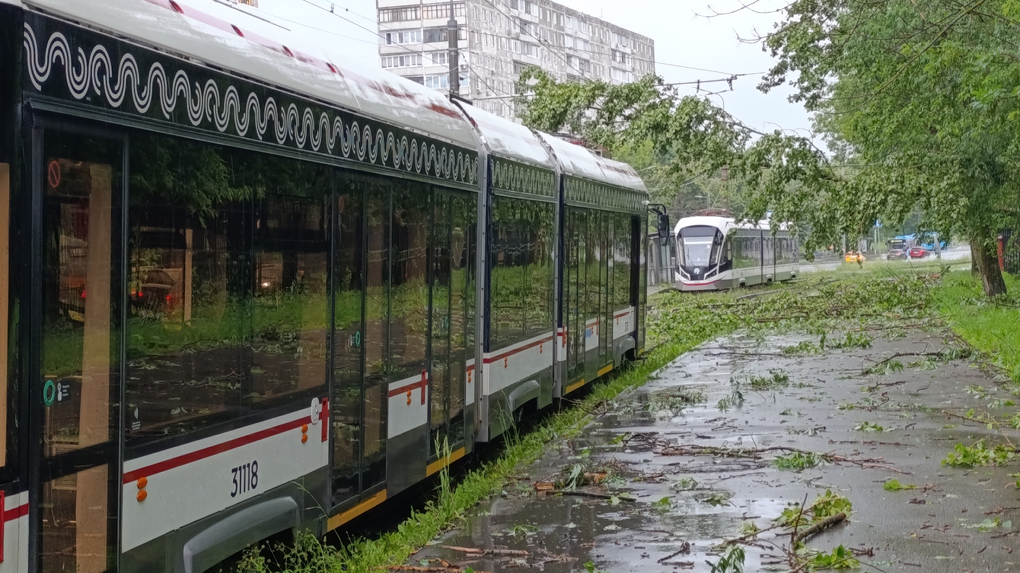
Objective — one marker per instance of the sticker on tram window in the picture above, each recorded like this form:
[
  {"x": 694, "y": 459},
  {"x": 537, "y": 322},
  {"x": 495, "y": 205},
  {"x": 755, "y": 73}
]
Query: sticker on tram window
[{"x": 246, "y": 478}]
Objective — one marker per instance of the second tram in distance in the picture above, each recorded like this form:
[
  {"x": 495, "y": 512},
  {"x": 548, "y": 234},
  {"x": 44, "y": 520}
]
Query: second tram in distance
[{"x": 715, "y": 253}]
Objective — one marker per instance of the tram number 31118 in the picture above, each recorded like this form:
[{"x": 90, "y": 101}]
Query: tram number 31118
[{"x": 246, "y": 478}]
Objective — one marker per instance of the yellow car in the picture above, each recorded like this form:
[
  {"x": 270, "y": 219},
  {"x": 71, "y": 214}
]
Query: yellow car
[{"x": 852, "y": 257}]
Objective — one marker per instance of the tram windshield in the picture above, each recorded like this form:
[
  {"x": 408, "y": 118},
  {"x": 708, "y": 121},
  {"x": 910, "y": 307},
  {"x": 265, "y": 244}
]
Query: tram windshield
[{"x": 698, "y": 246}]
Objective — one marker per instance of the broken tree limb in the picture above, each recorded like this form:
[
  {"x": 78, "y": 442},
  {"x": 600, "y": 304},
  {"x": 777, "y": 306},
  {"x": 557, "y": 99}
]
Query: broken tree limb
[
  {"x": 591, "y": 494},
  {"x": 749, "y": 536},
  {"x": 819, "y": 527},
  {"x": 418, "y": 569},
  {"x": 477, "y": 551}
]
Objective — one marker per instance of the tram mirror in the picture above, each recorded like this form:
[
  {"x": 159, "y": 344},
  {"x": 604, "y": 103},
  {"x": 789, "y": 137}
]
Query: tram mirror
[{"x": 664, "y": 226}]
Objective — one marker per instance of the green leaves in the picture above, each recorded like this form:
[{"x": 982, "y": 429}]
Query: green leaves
[
  {"x": 798, "y": 461},
  {"x": 730, "y": 562},
  {"x": 839, "y": 558},
  {"x": 978, "y": 455},
  {"x": 895, "y": 485}
]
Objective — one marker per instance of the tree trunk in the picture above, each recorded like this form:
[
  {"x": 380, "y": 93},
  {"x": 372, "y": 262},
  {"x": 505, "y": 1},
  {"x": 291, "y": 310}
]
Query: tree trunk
[
  {"x": 974, "y": 256},
  {"x": 988, "y": 265}
]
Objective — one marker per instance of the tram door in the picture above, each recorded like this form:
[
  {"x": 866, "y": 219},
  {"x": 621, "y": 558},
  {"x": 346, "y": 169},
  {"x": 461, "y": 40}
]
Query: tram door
[
  {"x": 451, "y": 326},
  {"x": 77, "y": 351},
  {"x": 574, "y": 300}
]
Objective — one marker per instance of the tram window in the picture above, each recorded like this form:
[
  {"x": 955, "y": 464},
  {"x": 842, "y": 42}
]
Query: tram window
[
  {"x": 290, "y": 306},
  {"x": 508, "y": 272},
  {"x": 622, "y": 262},
  {"x": 227, "y": 274},
  {"x": 377, "y": 338},
  {"x": 538, "y": 251},
  {"x": 8, "y": 405},
  {"x": 80, "y": 330},
  {"x": 347, "y": 341},
  {"x": 189, "y": 297},
  {"x": 80, "y": 350},
  {"x": 699, "y": 246},
  {"x": 593, "y": 262},
  {"x": 409, "y": 293}
]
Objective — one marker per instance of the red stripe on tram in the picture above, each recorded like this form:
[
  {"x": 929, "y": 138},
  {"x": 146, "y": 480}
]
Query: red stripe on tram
[
  {"x": 517, "y": 350},
  {"x": 16, "y": 512},
  {"x": 210, "y": 451}
]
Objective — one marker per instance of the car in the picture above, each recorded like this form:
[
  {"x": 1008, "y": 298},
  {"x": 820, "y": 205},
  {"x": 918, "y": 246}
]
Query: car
[
  {"x": 154, "y": 294},
  {"x": 853, "y": 257},
  {"x": 896, "y": 254},
  {"x": 918, "y": 252}
]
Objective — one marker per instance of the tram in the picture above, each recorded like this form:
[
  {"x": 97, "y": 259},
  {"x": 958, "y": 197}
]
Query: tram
[
  {"x": 715, "y": 253},
  {"x": 251, "y": 287}
]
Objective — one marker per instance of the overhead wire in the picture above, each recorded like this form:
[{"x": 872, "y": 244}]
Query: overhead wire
[
  {"x": 422, "y": 53},
  {"x": 555, "y": 50}
]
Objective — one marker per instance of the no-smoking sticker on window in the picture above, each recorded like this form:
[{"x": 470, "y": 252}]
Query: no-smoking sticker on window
[{"x": 53, "y": 174}]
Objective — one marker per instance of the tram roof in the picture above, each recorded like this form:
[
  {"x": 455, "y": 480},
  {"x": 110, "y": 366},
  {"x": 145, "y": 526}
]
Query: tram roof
[
  {"x": 231, "y": 38},
  {"x": 726, "y": 224},
  {"x": 579, "y": 162},
  {"x": 509, "y": 139}
]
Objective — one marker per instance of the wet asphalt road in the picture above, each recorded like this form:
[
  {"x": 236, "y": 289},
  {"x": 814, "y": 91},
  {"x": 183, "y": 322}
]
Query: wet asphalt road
[
  {"x": 955, "y": 254},
  {"x": 933, "y": 528}
]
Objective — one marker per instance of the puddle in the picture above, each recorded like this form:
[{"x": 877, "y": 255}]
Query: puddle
[{"x": 729, "y": 394}]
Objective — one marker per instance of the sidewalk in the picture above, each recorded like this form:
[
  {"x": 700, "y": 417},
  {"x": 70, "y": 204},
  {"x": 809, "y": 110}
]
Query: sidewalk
[{"x": 697, "y": 448}]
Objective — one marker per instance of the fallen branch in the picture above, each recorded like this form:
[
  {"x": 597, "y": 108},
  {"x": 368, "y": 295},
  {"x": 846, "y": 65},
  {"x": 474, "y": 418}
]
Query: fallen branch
[
  {"x": 867, "y": 463},
  {"x": 749, "y": 536},
  {"x": 417, "y": 569},
  {"x": 476, "y": 551},
  {"x": 819, "y": 527},
  {"x": 939, "y": 354},
  {"x": 592, "y": 494}
]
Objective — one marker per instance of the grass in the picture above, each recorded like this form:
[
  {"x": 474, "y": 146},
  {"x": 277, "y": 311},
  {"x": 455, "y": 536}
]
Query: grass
[{"x": 992, "y": 327}]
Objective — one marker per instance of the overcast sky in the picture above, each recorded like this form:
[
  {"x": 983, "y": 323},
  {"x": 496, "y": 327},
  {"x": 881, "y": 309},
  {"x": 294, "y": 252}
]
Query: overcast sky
[{"x": 683, "y": 36}]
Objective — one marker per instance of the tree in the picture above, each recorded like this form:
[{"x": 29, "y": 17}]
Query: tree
[
  {"x": 919, "y": 95},
  {"x": 916, "y": 100}
]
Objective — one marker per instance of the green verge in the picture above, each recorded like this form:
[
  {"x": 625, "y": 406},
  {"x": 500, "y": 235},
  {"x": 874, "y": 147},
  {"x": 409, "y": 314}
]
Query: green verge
[
  {"x": 990, "y": 326},
  {"x": 677, "y": 322}
]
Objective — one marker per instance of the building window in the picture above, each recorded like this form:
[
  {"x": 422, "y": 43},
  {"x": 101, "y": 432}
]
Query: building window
[
  {"x": 435, "y": 11},
  {"x": 438, "y": 58},
  {"x": 440, "y": 81},
  {"x": 403, "y": 37},
  {"x": 439, "y": 34},
  {"x": 403, "y": 14},
  {"x": 401, "y": 61}
]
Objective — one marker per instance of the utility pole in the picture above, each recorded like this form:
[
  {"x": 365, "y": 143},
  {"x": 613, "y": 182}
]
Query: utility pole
[{"x": 454, "y": 60}]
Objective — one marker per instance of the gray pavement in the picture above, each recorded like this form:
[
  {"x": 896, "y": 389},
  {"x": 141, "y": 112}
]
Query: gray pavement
[
  {"x": 957, "y": 254},
  {"x": 645, "y": 442}
]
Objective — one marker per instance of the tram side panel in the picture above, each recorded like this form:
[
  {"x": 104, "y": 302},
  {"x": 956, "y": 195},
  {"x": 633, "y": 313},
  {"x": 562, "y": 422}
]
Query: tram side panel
[{"x": 14, "y": 527}]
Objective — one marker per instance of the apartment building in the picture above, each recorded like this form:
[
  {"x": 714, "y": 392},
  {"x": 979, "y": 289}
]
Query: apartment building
[{"x": 499, "y": 38}]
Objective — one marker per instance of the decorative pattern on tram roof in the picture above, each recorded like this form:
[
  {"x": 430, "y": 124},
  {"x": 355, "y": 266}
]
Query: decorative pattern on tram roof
[
  {"x": 103, "y": 72},
  {"x": 519, "y": 177},
  {"x": 602, "y": 196}
]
